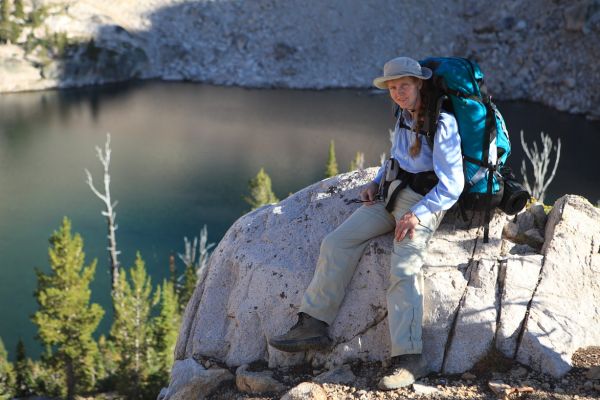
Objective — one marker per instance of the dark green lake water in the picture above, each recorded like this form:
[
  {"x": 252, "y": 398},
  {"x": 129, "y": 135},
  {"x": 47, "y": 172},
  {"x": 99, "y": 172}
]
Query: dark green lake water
[{"x": 182, "y": 156}]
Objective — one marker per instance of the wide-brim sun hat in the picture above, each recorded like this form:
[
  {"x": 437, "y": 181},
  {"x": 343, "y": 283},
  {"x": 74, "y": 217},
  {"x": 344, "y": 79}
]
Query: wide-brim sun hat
[{"x": 400, "y": 67}]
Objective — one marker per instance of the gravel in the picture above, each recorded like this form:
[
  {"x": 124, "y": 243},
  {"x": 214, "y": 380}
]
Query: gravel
[{"x": 574, "y": 385}]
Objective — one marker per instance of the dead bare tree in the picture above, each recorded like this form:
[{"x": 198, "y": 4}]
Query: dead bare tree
[
  {"x": 358, "y": 162},
  {"x": 201, "y": 248},
  {"x": 383, "y": 157},
  {"x": 540, "y": 160},
  {"x": 109, "y": 213}
]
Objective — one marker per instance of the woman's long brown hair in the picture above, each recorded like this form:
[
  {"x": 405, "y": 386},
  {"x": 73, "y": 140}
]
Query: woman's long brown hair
[{"x": 415, "y": 149}]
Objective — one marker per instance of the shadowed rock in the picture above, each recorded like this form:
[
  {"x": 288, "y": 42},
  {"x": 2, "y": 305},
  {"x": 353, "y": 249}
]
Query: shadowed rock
[{"x": 565, "y": 310}]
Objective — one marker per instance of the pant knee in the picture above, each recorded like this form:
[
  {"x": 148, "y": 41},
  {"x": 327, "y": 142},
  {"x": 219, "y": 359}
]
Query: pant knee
[
  {"x": 329, "y": 242},
  {"x": 405, "y": 275}
]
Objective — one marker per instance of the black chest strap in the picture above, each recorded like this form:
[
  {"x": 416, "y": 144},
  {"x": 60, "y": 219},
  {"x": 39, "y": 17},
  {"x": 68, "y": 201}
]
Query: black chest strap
[{"x": 428, "y": 134}]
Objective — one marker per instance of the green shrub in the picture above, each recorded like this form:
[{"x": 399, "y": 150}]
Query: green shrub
[
  {"x": 60, "y": 43},
  {"x": 331, "y": 169},
  {"x": 18, "y": 12},
  {"x": 7, "y": 374},
  {"x": 260, "y": 190},
  {"x": 66, "y": 319},
  {"x": 37, "y": 16}
]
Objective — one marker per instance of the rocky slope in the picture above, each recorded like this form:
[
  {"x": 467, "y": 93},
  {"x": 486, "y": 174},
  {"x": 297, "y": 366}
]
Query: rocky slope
[{"x": 539, "y": 50}]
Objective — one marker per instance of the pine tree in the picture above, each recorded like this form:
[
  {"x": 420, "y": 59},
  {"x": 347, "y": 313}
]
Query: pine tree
[
  {"x": 24, "y": 380},
  {"x": 165, "y": 328},
  {"x": 260, "y": 190},
  {"x": 332, "y": 168},
  {"x": 107, "y": 364},
  {"x": 49, "y": 378},
  {"x": 19, "y": 12},
  {"x": 7, "y": 377},
  {"x": 189, "y": 285},
  {"x": 5, "y": 7},
  {"x": 358, "y": 162},
  {"x": 195, "y": 259},
  {"x": 65, "y": 318},
  {"x": 131, "y": 331},
  {"x": 5, "y": 23},
  {"x": 37, "y": 15}
]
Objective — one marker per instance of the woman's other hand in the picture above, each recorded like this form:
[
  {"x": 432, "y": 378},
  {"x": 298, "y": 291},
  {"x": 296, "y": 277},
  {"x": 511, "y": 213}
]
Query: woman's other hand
[
  {"x": 369, "y": 192},
  {"x": 406, "y": 224}
]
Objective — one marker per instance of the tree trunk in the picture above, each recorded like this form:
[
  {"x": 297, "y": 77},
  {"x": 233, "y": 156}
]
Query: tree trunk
[{"x": 70, "y": 379}]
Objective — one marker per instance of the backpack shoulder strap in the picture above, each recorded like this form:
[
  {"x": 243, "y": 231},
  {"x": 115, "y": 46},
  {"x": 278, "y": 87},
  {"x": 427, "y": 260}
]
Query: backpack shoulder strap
[{"x": 432, "y": 118}]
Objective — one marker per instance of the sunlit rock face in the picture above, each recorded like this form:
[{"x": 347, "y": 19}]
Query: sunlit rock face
[
  {"x": 537, "y": 50},
  {"x": 479, "y": 297}
]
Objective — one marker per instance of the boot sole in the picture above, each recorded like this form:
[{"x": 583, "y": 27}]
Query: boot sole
[{"x": 296, "y": 346}]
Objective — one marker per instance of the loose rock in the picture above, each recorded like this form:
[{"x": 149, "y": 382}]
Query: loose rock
[
  {"x": 498, "y": 387},
  {"x": 468, "y": 376},
  {"x": 306, "y": 391},
  {"x": 338, "y": 375},
  {"x": 593, "y": 373},
  {"x": 256, "y": 382},
  {"x": 189, "y": 379},
  {"x": 534, "y": 238},
  {"x": 518, "y": 372},
  {"x": 424, "y": 389},
  {"x": 526, "y": 221}
]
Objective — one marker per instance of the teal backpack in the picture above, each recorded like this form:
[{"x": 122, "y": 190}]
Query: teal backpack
[{"x": 457, "y": 87}]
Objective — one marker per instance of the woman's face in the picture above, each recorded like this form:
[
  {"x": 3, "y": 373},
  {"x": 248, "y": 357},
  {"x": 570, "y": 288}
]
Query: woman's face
[{"x": 405, "y": 92}]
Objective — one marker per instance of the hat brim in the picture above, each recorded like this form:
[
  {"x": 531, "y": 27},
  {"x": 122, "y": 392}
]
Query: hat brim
[{"x": 380, "y": 82}]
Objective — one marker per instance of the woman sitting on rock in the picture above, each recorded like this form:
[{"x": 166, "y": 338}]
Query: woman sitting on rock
[{"x": 415, "y": 215}]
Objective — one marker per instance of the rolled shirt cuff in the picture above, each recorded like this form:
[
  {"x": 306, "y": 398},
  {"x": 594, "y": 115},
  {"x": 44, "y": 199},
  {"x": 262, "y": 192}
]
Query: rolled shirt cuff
[{"x": 420, "y": 211}]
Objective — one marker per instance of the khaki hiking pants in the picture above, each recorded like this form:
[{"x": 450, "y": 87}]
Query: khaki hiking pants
[{"x": 339, "y": 256}]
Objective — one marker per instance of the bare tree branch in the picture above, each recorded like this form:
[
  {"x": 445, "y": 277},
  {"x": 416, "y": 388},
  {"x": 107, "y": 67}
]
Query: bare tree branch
[
  {"x": 557, "y": 150},
  {"x": 199, "y": 248},
  {"x": 540, "y": 160},
  {"x": 109, "y": 212},
  {"x": 90, "y": 183}
]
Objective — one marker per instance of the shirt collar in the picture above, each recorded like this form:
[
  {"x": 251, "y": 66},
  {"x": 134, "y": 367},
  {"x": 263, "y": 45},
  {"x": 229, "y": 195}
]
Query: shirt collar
[{"x": 406, "y": 117}]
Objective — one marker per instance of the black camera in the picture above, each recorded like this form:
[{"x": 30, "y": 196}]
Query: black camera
[{"x": 515, "y": 195}]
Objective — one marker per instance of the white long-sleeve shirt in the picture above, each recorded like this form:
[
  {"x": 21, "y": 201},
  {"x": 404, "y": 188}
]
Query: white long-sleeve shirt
[{"x": 445, "y": 160}]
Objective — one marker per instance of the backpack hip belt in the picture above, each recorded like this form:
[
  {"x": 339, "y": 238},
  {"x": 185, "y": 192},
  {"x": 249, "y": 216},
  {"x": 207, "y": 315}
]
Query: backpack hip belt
[{"x": 420, "y": 182}]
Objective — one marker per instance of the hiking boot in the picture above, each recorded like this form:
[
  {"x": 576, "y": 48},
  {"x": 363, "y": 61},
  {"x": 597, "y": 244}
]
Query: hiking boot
[
  {"x": 308, "y": 334},
  {"x": 407, "y": 369}
]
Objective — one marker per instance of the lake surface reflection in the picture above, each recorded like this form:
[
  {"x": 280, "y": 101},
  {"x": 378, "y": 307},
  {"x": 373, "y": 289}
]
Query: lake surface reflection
[{"x": 182, "y": 156}]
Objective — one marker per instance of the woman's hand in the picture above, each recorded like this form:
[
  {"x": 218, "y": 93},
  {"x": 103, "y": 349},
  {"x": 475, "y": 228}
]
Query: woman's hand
[
  {"x": 406, "y": 224},
  {"x": 369, "y": 192}
]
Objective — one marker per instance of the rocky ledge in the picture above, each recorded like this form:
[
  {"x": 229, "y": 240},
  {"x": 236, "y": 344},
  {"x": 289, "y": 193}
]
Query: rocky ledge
[
  {"x": 536, "y": 50},
  {"x": 536, "y": 307}
]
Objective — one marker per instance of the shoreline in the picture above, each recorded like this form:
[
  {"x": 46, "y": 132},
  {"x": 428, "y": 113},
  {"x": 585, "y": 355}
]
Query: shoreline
[
  {"x": 369, "y": 91},
  {"x": 538, "y": 51}
]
